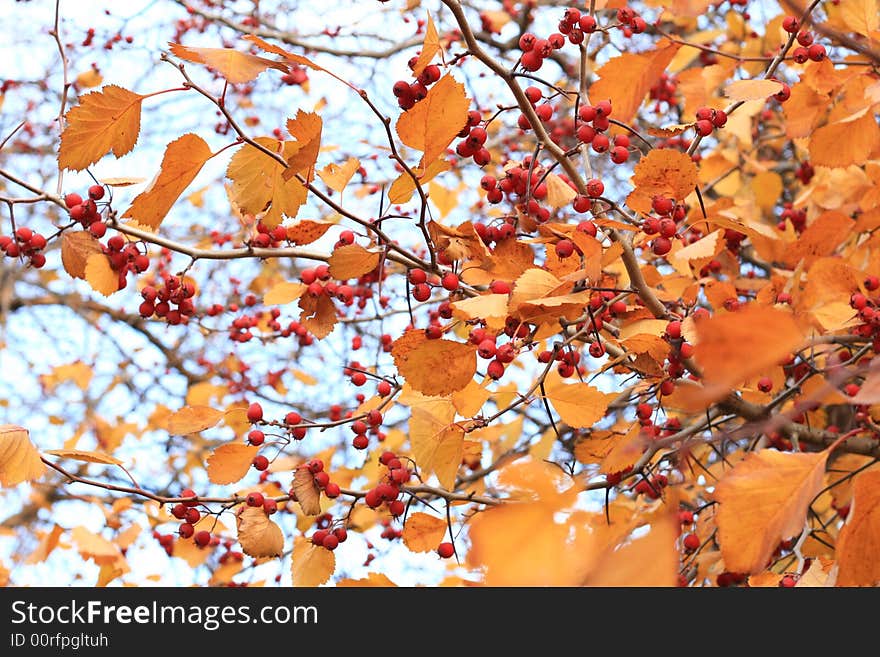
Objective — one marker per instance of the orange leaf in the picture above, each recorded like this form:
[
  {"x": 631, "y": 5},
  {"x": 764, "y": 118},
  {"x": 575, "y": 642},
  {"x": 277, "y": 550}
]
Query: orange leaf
[
  {"x": 311, "y": 565},
  {"x": 336, "y": 176},
  {"x": 181, "y": 163},
  {"x": 258, "y": 535},
  {"x": 19, "y": 459},
  {"x": 437, "y": 443},
  {"x": 94, "y": 546},
  {"x": 104, "y": 121},
  {"x": 282, "y": 293},
  {"x": 75, "y": 251},
  {"x": 430, "y": 47},
  {"x": 434, "y": 367},
  {"x": 307, "y": 231},
  {"x": 373, "y": 579},
  {"x": 306, "y": 129},
  {"x": 237, "y": 67},
  {"x": 192, "y": 419},
  {"x": 751, "y": 89},
  {"x": 230, "y": 462},
  {"x": 100, "y": 275},
  {"x": 423, "y": 533},
  {"x": 292, "y": 57},
  {"x": 352, "y": 261},
  {"x": 626, "y": 79},
  {"x": 763, "y": 500},
  {"x": 491, "y": 308},
  {"x": 663, "y": 172},
  {"x": 845, "y": 142},
  {"x": 88, "y": 457},
  {"x": 402, "y": 188},
  {"x": 735, "y": 346},
  {"x": 559, "y": 192},
  {"x": 859, "y": 541},
  {"x": 431, "y": 125},
  {"x": 579, "y": 405},
  {"x": 318, "y": 315},
  {"x": 258, "y": 184},
  {"x": 307, "y": 492}
]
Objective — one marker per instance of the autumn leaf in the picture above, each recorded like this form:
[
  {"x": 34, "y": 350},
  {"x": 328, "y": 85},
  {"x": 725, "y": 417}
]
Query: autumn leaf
[
  {"x": 763, "y": 500},
  {"x": 285, "y": 292},
  {"x": 307, "y": 231},
  {"x": 437, "y": 443},
  {"x": 76, "y": 247},
  {"x": 306, "y": 129},
  {"x": 230, "y": 462},
  {"x": 423, "y": 532},
  {"x": 94, "y": 546},
  {"x": 19, "y": 459},
  {"x": 311, "y": 565},
  {"x": 434, "y": 367},
  {"x": 404, "y": 186},
  {"x": 662, "y": 172},
  {"x": 732, "y": 347},
  {"x": 257, "y": 534},
  {"x": 337, "y": 176},
  {"x": 352, "y": 261},
  {"x": 237, "y": 67},
  {"x": 100, "y": 275},
  {"x": 430, "y": 47},
  {"x": 626, "y": 79},
  {"x": 579, "y": 405},
  {"x": 308, "y": 495},
  {"x": 181, "y": 163},
  {"x": 258, "y": 184},
  {"x": 371, "y": 580},
  {"x": 859, "y": 540},
  {"x": 431, "y": 125},
  {"x": 845, "y": 142},
  {"x": 85, "y": 456},
  {"x": 318, "y": 315},
  {"x": 192, "y": 419},
  {"x": 490, "y": 308},
  {"x": 104, "y": 121},
  {"x": 743, "y": 90}
]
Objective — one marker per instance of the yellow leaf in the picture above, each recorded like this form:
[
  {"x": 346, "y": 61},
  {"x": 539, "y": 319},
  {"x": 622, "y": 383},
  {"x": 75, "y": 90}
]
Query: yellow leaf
[
  {"x": 306, "y": 129},
  {"x": 432, "y": 124},
  {"x": 803, "y": 109},
  {"x": 78, "y": 372},
  {"x": 579, "y": 405},
  {"x": 312, "y": 565},
  {"x": 318, "y": 315},
  {"x": 192, "y": 419},
  {"x": 845, "y": 142},
  {"x": 282, "y": 293},
  {"x": 859, "y": 541},
  {"x": 75, "y": 251},
  {"x": 422, "y": 532},
  {"x": 88, "y": 457},
  {"x": 47, "y": 545},
  {"x": 626, "y": 79},
  {"x": 94, "y": 546},
  {"x": 230, "y": 462},
  {"x": 437, "y": 443},
  {"x": 337, "y": 176},
  {"x": 292, "y": 57},
  {"x": 258, "y": 535},
  {"x": 733, "y": 347},
  {"x": 373, "y": 579},
  {"x": 258, "y": 184},
  {"x": 307, "y": 231},
  {"x": 430, "y": 47},
  {"x": 559, "y": 192},
  {"x": 181, "y": 163},
  {"x": 306, "y": 490},
  {"x": 19, "y": 459},
  {"x": 662, "y": 172},
  {"x": 763, "y": 500},
  {"x": 434, "y": 367},
  {"x": 104, "y": 121},
  {"x": 88, "y": 79},
  {"x": 861, "y": 16},
  {"x": 625, "y": 452},
  {"x": 122, "y": 181},
  {"x": 491, "y": 308},
  {"x": 469, "y": 400},
  {"x": 352, "y": 261},
  {"x": 100, "y": 275},
  {"x": 237, "y": 67},
  {"x": 751, "y": 89},
  {"x": 445, "y": 199},
  {"x": 767, "y": 186},
  {"x": 402, "y": 188},
  {"x": 705, "y": 247}
]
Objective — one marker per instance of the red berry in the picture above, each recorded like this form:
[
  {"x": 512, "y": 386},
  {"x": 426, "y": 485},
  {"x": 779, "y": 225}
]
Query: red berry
[
  {"x": 673, "y": 329},
  {"x": 661, "y": 246},
  {"x": 318, "y": 536},
  {"x": 765, "y": 384},
  {"x": 495, "y": 370},
  {"x": 330, "y": 542},
  {"x": 360, "y": 441},
  {"x": 421, "y": 292},
  {"x": 486, "y": 348},
  {"x": 384, "y": 388},
  {"x": 256, "y": 437},
  {"x": 445, "y": 550},
  {"x": 202, "y": 538},
  {"x": 72, "y": 199},
  {"x": 322, "y": 479},
  {"x": 186, "y": 530},
  {"x": 358, "y": 379},
  {"x": 595, "y": 187},
  {"x": 450, "y": 281},
  {"x": 396, "y": 508},
  {"x": 254, "y": 413},
  {"x": 341, "y": 533},
  {"x": 270, "y": 506},
  {"x": 691, "y": 542},
  {"x": 292, "y": 418},
  {"x": 316, "y": 466},
  {"x": 255, "y": 499},
  {"x": 564, "y": 248},
  {"x": 260, "y": 462},
  {"x": 600, "y": 143},
  {"x": 332, "y": 490},
  {"x": 372, "y": 498},
  {"x": 817, "y": 52},
  {"x": 704, "y": 127},
  {"x": 417, "y": 276},
  {"x": 189, "y": 492},
  {"x": 791, "y": 24},
  {"x": 179, "y": 511}
]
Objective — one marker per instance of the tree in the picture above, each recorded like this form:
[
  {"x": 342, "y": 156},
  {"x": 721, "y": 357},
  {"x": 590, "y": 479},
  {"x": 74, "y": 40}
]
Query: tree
[{"x": 545, "y": 294}]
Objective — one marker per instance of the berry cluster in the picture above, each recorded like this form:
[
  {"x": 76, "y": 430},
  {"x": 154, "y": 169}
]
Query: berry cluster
[
  {"x": 544, "y": 111},
  {"x": 408, "y": 94},
  {"x": 708, "y": 119},
  {"x": 172, "y": 301},
  {"x": 330, "y": 538},
  {"x": 593, "y": 122},
  {"x": 387, "y": 490},
  {"x": 25, "y": 243},
  {"x": 806, "y": 50},
  {"x": 267, "y": 237},
  {"x": 86, "y": 211},
  {"x": 187, "y": 513},
  {"x": 125, "y": 257},
  {"x": 665, "y": 226},
  {"x": 652, "y": 487},
  {"x": 473, "y": 139}
]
